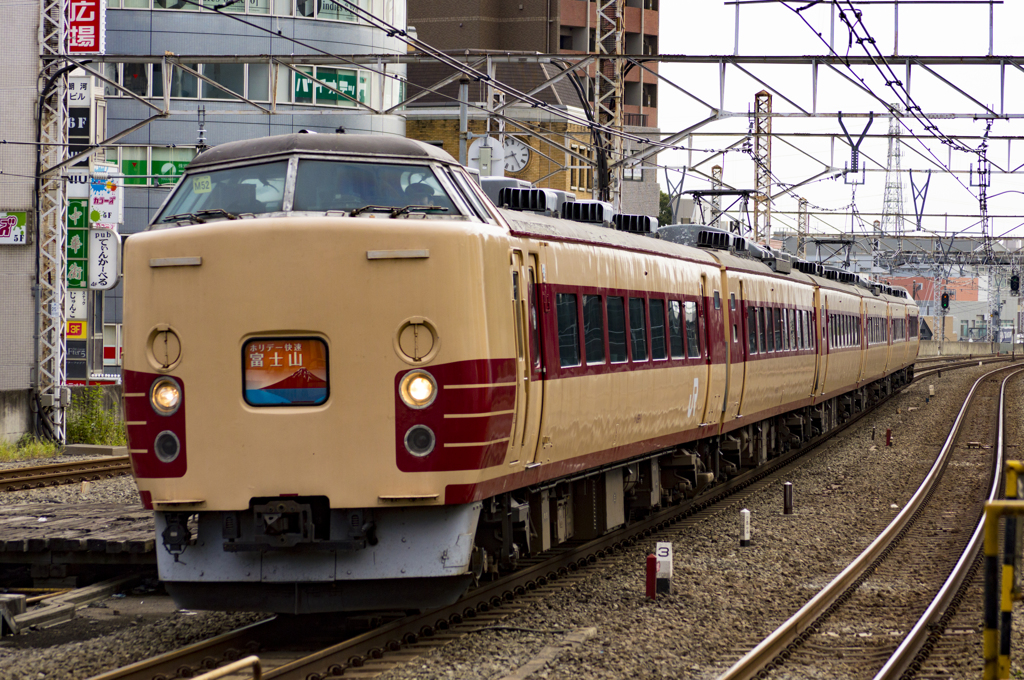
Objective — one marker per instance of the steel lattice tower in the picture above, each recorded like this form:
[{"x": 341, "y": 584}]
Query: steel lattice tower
[
  {"x": 51, "y": 286},
  {"x": 803, "y": 227},
  {"x": 762, "y": 166},
  {"x": 608, "y": 93},
  {"x": 892, "y": 205},
  {"x": 716, "y": 201}
]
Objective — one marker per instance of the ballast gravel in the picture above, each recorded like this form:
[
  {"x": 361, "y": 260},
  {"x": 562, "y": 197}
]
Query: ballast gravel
[{"x": 725, "y": 598}]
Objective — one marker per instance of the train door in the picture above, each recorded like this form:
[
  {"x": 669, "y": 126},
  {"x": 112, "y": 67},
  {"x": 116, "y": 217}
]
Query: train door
[
  {"x": 529, "y": 363},
  {"x": 535, "y": 376},
  {"x": 823, "y": 345},
  {"x": 735, "y": 330},
  {"x": 710, "y": 320}
]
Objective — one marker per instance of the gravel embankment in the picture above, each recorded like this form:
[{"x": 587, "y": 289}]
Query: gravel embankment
[{"x": 725, "y": 597}]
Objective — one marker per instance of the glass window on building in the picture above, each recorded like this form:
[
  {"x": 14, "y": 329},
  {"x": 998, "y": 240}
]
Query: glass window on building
[
  {"x": 135, "y": 4},
  {"x": 135, "y": 164},
  {"x": 258, "y": 6},
  {"x": 183, "y": 83},
  {"x": 174, "y": 4},
  {"x": 329, "y": 9},
  {"x": 259, "y": 82},
  {"x": 303, "y": 86},
  {"x": 136, "y": 79},
  {"x": 110, "y": 71},
  {"x": 305, "y": 8},
  {"x": 283, "y": 7},
  {"x": 229, "y": 76},
  {"x": 169, "y": 164}
]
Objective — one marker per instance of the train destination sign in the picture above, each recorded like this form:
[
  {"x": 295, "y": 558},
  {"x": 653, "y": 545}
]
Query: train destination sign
[
  {"x": 14, "y": 227},
  {"x": 285, "y": 372}
]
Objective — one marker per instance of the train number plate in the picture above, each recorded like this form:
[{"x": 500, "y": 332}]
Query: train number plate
[{"x": 285, "y": 372}]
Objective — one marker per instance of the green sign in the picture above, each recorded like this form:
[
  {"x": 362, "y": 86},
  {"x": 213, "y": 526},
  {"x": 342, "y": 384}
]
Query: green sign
[
  {"x": 171, "y": 170},
  {"x": 342, "y": 80},
  {"x": 77, "y": 274},
  {"x": 14, "y": 228}
]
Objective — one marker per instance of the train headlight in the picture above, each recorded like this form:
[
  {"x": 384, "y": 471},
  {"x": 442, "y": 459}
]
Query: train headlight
[
  {"x": 165, "y": 395},
  {"x": 167, "y": 446},
  {"x": 420, "y": 440},
  {"x": 418, "y": 389}
]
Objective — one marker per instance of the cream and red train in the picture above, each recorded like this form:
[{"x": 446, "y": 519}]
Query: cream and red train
[{"x": 352, "y": 383}]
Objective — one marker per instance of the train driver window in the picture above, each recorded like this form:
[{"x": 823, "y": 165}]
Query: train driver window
[
  {"x": 693, "y": 348},
  {"x": 675, "y": 329},
  {"x": 568, "y": 329},
  {"x": 346, "y": 186},
  {"x": 616, "y": 330},
  {"x": 658, "y": 349},
  {"x": 751, "y": 330},
  {"x": 225, "y": 194},
  {"x": 638, "y": 329},
  {"x": 593, "y": 329}
]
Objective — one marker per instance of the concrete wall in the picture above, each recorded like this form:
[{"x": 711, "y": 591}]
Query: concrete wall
[
  {"x": 15, "y": 414},
  {"x": 930, "y": 348}
]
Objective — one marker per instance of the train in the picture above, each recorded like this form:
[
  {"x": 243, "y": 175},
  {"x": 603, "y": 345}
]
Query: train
[{"x": 359, "y": 379}]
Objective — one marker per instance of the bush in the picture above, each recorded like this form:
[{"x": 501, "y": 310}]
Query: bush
[
  {"x": 28, "y": 447},
  {"x": 90, "y": 423}
]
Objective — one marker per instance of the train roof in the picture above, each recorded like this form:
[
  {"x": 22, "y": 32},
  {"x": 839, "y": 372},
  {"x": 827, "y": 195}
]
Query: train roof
[{"x": 380, "y": 146}]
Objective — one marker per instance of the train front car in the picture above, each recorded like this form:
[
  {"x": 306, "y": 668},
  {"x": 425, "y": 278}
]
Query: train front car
[{"x": 308, "y": 319}]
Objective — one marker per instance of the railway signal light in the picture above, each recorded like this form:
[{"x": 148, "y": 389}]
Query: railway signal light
[
  {"x": 945, "y": 300},
  {"x": 1015, "y": 284}
]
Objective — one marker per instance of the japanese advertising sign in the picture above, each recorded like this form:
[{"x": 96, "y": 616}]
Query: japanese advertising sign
[
  {"x": 86, "y": 26},
  {"x": 14, "y": 228},
  {"x": 104, "y": 258},
  {"x": 78, "y": 244},
  {"x": 76, "y": 330},
  {"x": 106, "y": 207},
  {"x": 75, "y": 305},
  {"x": 285, "y": 372},
  {"x": 343, "y": 80}
]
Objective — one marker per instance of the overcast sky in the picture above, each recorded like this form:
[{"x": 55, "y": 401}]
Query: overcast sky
[{"x": 707, "y": 27}]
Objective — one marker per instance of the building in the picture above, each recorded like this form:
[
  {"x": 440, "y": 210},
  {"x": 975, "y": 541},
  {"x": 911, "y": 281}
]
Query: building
[
  {"x": 218, "y": 76},
  {"x": 506, "y": 28}
]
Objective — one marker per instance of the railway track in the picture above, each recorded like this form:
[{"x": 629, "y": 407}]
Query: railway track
[
  {"x": 887, "y": 611},
  {"x": 366, "y": 653},
  {"x": 55, "y": 474}
]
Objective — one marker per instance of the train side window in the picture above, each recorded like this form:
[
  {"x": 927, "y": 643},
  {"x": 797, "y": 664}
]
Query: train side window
[
  {"x": 766, "y": 329},
  {"x": 778, "y": 330},
  {"x": 798, "y": 322},
  {"x": 593, "y": 329},
  {"x": 658, "y": 349},
  {"x": 718, "y": 301},
  {"x": 784, "y": 324},
  {"x": 638, "y": 329},
  {"x": 568, "y": 329},
  {"x": 692, "y": 336},
  {"x": 751, "y": 330},
  {"x": 812, "y": 339},
  {"x": 616, "y": 330},
  {"x": 763, "y": 343},
  {"x": 732, "y": 300},
  {"x": 675, "y": 329},
  {"x": 791, "y": 314}
]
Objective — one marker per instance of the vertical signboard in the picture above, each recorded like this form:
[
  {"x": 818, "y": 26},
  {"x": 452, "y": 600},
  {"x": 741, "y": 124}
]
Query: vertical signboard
[
  {"x": 105, "y": 203},
  {"x": 104, "y": 257},
  {"x": 79, "y": 117},
  {"x": 14, "y": 227},
  {"x": 86, "y": 21}
]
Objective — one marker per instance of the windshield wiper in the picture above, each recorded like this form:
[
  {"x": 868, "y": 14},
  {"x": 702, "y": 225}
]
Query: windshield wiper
[
  {"x": 409, "y": 208},
  {"x": 372, "y": 208},
  {"x": 217, "y": 211},
  {"x": 181, "y": 217}
]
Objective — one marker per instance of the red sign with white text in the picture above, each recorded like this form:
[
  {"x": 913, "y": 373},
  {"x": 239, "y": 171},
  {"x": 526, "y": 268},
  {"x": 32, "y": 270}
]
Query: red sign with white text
[{"x": 86, "y": 26}]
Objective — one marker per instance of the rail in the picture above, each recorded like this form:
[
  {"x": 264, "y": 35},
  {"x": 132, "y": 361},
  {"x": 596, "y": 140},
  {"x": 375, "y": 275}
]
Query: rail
[
  {"x": 41, "y": 476},
  {"x": 786, "y": 635}
]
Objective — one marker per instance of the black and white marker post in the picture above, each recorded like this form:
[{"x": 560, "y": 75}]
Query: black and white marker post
[
  {"x": 744, "y": 528},
  {"x": 663, "y": 551}
]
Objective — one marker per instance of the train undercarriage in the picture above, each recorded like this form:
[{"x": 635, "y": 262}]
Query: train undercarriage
[{"x": 298, "y": 555}]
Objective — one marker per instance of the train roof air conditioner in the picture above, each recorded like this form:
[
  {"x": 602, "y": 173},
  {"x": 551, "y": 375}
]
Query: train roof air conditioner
[
  {"x": 544, "y": 201},
  {"x": 590, "y": 212},
  {"x": 636, "y": 224}
]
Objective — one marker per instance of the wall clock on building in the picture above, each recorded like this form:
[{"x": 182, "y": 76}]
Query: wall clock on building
[{"x": 517, "y": 154}]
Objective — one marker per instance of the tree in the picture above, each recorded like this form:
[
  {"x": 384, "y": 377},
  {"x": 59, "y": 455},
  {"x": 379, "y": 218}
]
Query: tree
[{"x": 665, "y": 212}]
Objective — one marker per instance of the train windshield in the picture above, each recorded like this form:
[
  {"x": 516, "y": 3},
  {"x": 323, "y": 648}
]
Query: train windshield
[
  {"x": 321, "y": 186},
  {"x": 226, "y": 194},
  {"x": 336, "y": 185}
]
